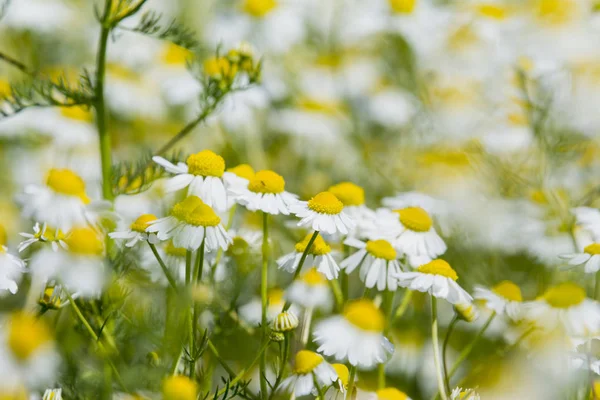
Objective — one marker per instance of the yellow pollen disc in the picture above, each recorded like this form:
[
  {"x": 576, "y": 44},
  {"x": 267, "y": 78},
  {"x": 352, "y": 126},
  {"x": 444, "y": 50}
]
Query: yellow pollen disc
[
  {"x": 3, "y": 236},
  {"x": 415, "y": 218},
  {"x": 365, "y": 315},
  {"x": 206, "y": 163},
  {"x": 142, "y": 222},
  {"x": 266, "y": 181},
  {"x": 26, "y": 335},
  {"x": 18, "y": 393},
  {"x": 203, "y": 215},
  {"x": 342, "y": 372},
  {"x": 67, "y": 182},
  {"x": 185, "y": 207},
  {"x": 348, "y": 193},
  {"x": 381, "y": 249},
  {"x": 326, "y": 203},
  {"x": 306, "y": 361},
  {"x": 403, "y": 6},
  {"x": 564, "y": 295},
  {"x": 243, "y": 171},
  {"x": 494, "y": 11},
  {"x": 391, "y": 394},
  {"x": 219, "y": 67},
  {"x": 313, "y": 277},
  {"x": 592, "y": 249},
  {"x": 84, "y": 241},
  {"x": 508, "y": 290},
  {"x": 318, "y": 248},
  {"x": 77, "y": 113},
  {"x": 275, "y": 296},
  {"x": 438, "y": 267},
  {"x": 179, "y": 387},
  {"x": 175, "y": 251},
  {"x": 556, "y": 11},
  {"x": 259, "y": 8},
  {"x": 176, "y": 55}
]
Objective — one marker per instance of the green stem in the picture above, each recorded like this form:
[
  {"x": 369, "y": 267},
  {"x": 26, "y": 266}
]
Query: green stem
[
  {"x": 282, "y": 364},
  {"x": 445, "y": 348},
  {"x": 320, "y": 393},
  {"x": 220, "y": 251},
  {"x": 264, "y": 302},
  {"x": 197, "y": 278},
  {"x": 188, "y": 279},
  {"x": 597, "y": 287},
  {"x": 403, "y": 305},
  {"x": 436, "y": 349},
  {"x": 301, "y": 263},
  {"x": 344, "y": 275},
  {"x": 337, "y": 294},
  {"x": 163, "y": 266},
  {"x": 351, "y": 382}
]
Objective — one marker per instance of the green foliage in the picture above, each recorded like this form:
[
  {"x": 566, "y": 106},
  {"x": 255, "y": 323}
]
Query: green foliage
[{"x": 151, "y": 24}]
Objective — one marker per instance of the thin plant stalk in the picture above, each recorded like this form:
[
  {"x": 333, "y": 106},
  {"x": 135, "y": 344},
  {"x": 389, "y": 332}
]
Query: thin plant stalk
[
  {"x": 445, "y": 348},
  {"x": 264, "y": 281},
  {"x": 301, "y": 263},
  {"x": 436, "y": 349}
]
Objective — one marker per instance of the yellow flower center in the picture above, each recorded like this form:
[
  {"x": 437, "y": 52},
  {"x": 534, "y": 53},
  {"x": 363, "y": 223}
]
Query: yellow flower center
[
  {"x": 266, "y": 182},
  {"x": 206, "y": 163},
  {"x": 275, "y": 296},
  {"x": 348, "y": 193},
  {"x": 391, "y": 394},
  {"x": 494, "y": 11},
  {"x": 259, "y": 8},
  {"x": 306, "y": 361},
  {"x": 219, "y": 68},
  {"x": 342, "y": 372},
  {"x": 508, "y": 290},
  {"x": 313, "y": 277},
  {"x": 18, "y": 393},
  {"x": 179, "y": 387},
  {"x": 3, "y": 236},
  {"x": 415, "y": 218},
  {"x": 556, "y": 11},
  {"x": 318, "y": 248},
  {"x": 26, "y": 335},
  {"x": 243, "y": 171},
  {"x": 592, "y": 249},
  {"x": 184, "y": 208},
  {"x": 67, "y": 182},
  {"x": 176, "y": 55},
  {"x": 438, "y": 267},
  {"x": 171, "y": 250},
  {"x": 142, "y": 222},
  {"x": 84, "y": 241},
  {"x": 77, "y": 113},
  {"x": 403, "y": 6},
  {"x": 365, "y": 315},
  {"x": 381, "y": 249},
  {"x": 326, "y": 203},
  {"x": 564, "y": 295},
  {"x": 203, "y": 215}
]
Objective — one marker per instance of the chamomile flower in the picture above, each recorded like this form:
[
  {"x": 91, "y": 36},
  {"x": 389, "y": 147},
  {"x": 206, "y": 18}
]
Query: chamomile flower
[
  {"x": 590, "y": 258},
  {"x": 589, "y": 219},
  {"x": 251, "y": 312},
  {"x": 504, "y": 298},
  {"x": 191, "y": 222},
  {"x": 318, "y": 255},
  {"x": 202, "y": 174},
  {"x": 324, "y": 213},
  {"x": 43, "y": 234},
  {"x": 286, "y": 321},
  {"x": 11, "y": 267},
  {"x": 377, "y": 261},
  {"x": 310, "y": 291},
  {"x": 565, "y": 306},
  {"x": 464, "y": 394},
  {"x": 436, "y": 278},
  {"x": 179, "y": 387},
  {"x": 356, "y": 335},
  {"x": 353, "y": 198},
  {"x": 406, "y": 360},
  {"x": 340, "y": 387},
  {"x": 137, "y": 231},
  {"x": 266, "y": 193},
  {"x": 61, "y": 202},
  {"x": 385, "y": 394},
  {"x": 237, "y": 179},
  {"x": 80, "y": 268},
  {"x": 310, "y": 368},
  {"x": 28, "y": 354},
  {"x": 52, "y": 394}
]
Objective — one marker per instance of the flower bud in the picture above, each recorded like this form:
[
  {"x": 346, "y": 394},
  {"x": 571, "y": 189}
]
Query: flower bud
[
  {"x": 466, "y": 311},
  {"x": 285, "y": 322}
]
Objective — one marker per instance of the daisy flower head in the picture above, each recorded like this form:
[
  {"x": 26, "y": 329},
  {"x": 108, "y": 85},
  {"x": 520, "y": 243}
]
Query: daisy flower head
[
  {"x": 565, "y": 306},
  {"x": 310, "y": 291},
  {"x": 52, "y": 394},
  {"x": 266, "y": 192},
  {"x": 251, "y": 312},
  {"x": 377, "y": 261},
  {"x": 438, "y": 279},
  {"x": 191, "y": 223},
  {"x": 61, "y": 202},
  {"x": 324, "y": 213},
  {"x": 137, "y": 231},
  {"x": 202, "y": 173},
  {"x": 11, "y": 267},
  {"x": 353, "y": 198},
  {"x": 590, "y": 258},
  {"x": 319, "y": 255},
  {"x": 43, "y": 234},
  {"x": 356, "y": 335},
  {"x": 504, "y": 299},
  {"x": 310, "y": 368},
  {"x": 464, "y": 394},
  {"x": 237, "y": 180},
  {"x": 286, "y": 321},
  {"x": 389, "y": 393}
]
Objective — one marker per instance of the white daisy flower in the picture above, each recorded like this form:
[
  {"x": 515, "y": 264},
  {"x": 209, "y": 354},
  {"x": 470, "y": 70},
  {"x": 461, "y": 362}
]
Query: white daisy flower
[
  {"x": 11, "y": 267},
  {"x": 323, "y": 213},
  {"x": 251, "y": 312},
  {"x": 589, "y": 219},
  {"x": 504, "y": 299},
  {"x": 202, "y": 174},
  {"x": 384, "y": 394},
  {"x": 309, "y": 368},
  {"x": 406, "y": 360},
  {"x": 565, "y": 306},
  {"x": 52, "y": 394},
  {"x": 318, "y": 255},
  {"x": 137, "y": 231},
  {"x": 61, "y": 202},
  {"x": 340, "y": 387},
  {"x": 266, "y": 192},
  {"x": 43, "y": 234},
  {"x": 590, "y": 258},
  {"x": 80, "y": 268},
  {"x": 310, "y": 291},
  {"x": 436, "y": 278},
  {"x": 464, "y": 394},
  {"x": 377, "y": 261},
  {"x": 353, "y": 198},
  {"x": 355, "y": 336},
  {"x": 191, "y": 222},
  {"x": 237, "y": 180}
]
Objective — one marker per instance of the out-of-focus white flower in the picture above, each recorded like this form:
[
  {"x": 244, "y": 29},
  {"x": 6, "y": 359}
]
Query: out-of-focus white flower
[
  {"x": 589, "y": 219},
  {"x": 266, "y": 193},
  {"x": 406, "y": 360},
  {"x": 389, "y": 393},
  {"x": 42, "y": 16},
  {"x": 377, "y": 261},
  {"x": 503, "y": 298},
  {"x": 43, "y": 234},
  {"x": 137, "y": 231},
  {"x": 323, "y": 213},
  {"x": 318, "y": 255},
  {"x": 355, "y": 336},
  {"x": 251, "y": 312},
  {"x": 11, "y": 267},
  {"x": 309, "y": 368},
  {"x": 310, "y": 291}
]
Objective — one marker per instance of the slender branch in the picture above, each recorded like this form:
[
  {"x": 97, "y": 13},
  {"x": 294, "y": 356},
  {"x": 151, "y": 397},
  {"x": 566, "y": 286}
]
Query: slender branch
[
  {"x": 163, "y": 266},
  {"x": 264, "y": 302},
  {"x": 17, "y": 64},
  {"x": 436, "y": 349},
  {"x": 445, "y": 348},
  {"x": 403, "y": 305},
  {"x": 301, "y": 263}
]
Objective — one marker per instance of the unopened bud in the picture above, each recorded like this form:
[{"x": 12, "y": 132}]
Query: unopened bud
[
  {"x": 466, "y": 311},
  {"x": 286, "y": 321}
]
